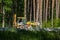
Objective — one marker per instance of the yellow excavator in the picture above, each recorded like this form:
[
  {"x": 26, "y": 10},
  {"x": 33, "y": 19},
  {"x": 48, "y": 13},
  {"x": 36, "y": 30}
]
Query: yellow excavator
[{"x": 21, "y": 21}]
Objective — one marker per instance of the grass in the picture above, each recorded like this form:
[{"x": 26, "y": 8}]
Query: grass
[{"x": 29, "y": 35}]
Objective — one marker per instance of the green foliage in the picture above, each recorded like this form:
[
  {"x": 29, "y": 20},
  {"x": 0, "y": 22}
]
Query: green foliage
[
  {"x": 7, "y": 9},
  {"x": 29, "y": 35},
  {"x": 56, "y": 23},
  {"x": 20, "y": 8},
  {"x": 0, "y": 1},
  {"x": 48, "y": 24},
  {"x": 8, "y": 4}
]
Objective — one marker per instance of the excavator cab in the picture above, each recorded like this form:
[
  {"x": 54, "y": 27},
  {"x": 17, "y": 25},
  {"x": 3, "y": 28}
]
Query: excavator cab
[{"x": 21, "y": 21}]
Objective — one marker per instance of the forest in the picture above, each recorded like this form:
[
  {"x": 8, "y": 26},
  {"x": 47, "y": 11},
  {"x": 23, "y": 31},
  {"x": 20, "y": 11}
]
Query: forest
[
  {"x": 7, "y": 10},
  {"x": 46, "y": 12},
  {"x": 29, "y": 19}
]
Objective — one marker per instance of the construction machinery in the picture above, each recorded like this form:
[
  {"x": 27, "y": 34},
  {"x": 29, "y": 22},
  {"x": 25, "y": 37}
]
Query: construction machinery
[{"x": 21, "y": 21}]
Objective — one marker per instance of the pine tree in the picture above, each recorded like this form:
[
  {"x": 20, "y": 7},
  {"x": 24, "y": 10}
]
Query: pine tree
[
  {"x": 37, "y": 13},
  {"x": 25, "y": 8},
  {"x": 40, "y": 3},
  {"x": 52, "y": 12},
  {"x": 30, "y": 10},
  {"x": 46, "y": 11},
  {"x": 34, "y": 9},
  {"x": 57, "y": 9}
]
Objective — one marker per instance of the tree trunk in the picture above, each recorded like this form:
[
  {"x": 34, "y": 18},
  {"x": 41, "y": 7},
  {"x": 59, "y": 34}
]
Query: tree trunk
[
  {"x": 49, "y": 10},
  {"x": 31, "y": 11},
  {"x": 3, "y": 11},
  {"x": 28, "y": 8},
  {"x": 46, "y": 11},
  {"x": 57, "y": 9},
  {"x": 37, "y": 13},
  {"x": 34, "y": 9},
  {"x": 40, "y": 2},
  {"x": 3, "y": 24},
  {"x": 52, "y": 12},
  {"x": 25, "y": 9}
]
